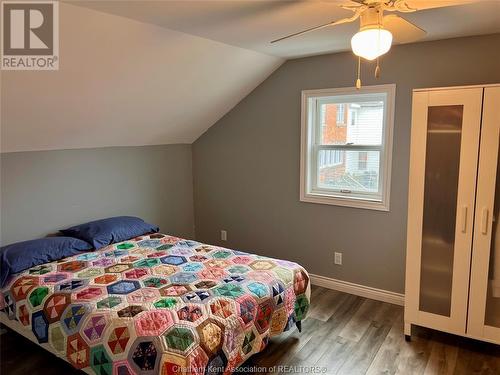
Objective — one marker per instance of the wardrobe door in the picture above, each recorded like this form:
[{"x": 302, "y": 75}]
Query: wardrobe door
[
  {"x": 444, "y": 155},
  {"x": 484, "y": 305}
]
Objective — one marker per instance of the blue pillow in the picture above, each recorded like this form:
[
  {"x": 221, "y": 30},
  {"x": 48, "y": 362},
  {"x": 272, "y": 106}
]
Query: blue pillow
[
  {"x": 20, "y": 256},
  {"x": 104, "y": 232}
]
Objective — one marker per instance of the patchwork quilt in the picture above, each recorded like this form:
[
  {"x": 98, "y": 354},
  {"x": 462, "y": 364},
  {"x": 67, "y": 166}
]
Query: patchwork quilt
[{"x": 158, "y": 304}]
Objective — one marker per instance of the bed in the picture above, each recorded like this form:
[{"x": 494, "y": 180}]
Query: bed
[{"x": 157, "y": 304}]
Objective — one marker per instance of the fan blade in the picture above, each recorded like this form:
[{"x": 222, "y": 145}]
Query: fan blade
[
  {"x": 332, "y": 23},
  {"x": 403, "y": 31},
  {"x": 414, "y": 5},
  {"x": 304, "y": 31}
]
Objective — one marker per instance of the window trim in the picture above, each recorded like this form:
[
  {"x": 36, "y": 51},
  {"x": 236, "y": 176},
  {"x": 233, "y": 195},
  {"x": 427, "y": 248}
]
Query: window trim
[{"x": 380, "y": 202}]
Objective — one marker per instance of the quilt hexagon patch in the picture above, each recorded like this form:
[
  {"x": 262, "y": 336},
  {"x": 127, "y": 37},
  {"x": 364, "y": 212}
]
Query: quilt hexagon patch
[
  {"x": 40, "y": 326},
  {"x": 100, "y": 361},
  {"x": 55, "y": 306},
  {"x": 94, "y": 326},
  {"x": 57, "y": 338},
  {"x": 179, "y": 339},
  {"x": 37, "y": 296},
  {"x": 119, "y": 338},
  {"x": 153, "y": 323},
  {"x": 78, "y": 351},
  {"x": 73, "y": 317},
  {"x": 144, "y": 357}
]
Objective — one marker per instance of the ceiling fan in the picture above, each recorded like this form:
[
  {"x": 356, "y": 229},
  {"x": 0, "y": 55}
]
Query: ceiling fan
[{"x": 376, "y": 31}]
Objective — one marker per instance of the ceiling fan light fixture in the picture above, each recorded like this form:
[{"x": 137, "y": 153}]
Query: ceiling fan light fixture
[{"x": 371, "y": 43}]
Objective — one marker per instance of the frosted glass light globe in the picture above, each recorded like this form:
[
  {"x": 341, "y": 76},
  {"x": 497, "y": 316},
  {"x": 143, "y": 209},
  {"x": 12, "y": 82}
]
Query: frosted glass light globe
[{"x": 371, "y": 43}]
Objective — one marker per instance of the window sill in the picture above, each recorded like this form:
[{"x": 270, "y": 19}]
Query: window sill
[{"x": 366, "y": 204}]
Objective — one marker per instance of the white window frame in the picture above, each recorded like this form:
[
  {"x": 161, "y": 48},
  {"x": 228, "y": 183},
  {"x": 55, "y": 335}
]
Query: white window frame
[{"x": 309, "y": 148}]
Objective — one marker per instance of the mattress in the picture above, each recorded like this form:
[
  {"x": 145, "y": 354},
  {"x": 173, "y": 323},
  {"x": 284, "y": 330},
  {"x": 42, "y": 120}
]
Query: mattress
[{"x": 157, "y": 304}]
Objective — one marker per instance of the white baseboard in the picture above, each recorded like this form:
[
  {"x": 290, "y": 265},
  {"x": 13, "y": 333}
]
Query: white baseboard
[{"x": 358, "y": 290}]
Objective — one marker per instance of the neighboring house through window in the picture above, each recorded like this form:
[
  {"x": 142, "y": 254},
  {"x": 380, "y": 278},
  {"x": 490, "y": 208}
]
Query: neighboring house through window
[
  {"x": 347, "y": 146},
  {"x": 362, "y": 160},
  {"x": 340, "y": 114},
  {"x": 331, "y": 158},
  {"x": 353, "y": 116}
]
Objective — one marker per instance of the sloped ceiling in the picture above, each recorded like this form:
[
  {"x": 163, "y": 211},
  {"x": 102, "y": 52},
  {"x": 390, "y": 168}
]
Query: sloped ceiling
[
  {"x": 123, "y": 82},
  {"x": 252, "y": 24},
  {"x": 160, "y": 72}
]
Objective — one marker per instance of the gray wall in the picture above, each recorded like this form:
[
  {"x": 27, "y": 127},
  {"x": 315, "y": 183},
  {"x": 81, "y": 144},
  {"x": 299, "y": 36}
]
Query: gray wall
[
  {"x": 246, "y": 167},
  {"x": 44, "y": 191}
]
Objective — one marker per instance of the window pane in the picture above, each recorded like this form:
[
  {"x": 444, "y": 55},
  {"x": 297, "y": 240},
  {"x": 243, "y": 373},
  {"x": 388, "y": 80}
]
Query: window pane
[
  {"x": 352, "y": 123},
  {"x": 355, "y": 171}
]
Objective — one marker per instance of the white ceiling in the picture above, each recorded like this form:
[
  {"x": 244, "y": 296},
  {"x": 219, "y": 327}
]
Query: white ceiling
[
  {"x": 252, "y": 24},
  {"x": 125, "y": 83}
]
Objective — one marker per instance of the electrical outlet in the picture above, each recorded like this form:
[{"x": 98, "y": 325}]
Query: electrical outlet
[
  {"x": 338, "y": 258},
  {"x": 223, "y": 235}
]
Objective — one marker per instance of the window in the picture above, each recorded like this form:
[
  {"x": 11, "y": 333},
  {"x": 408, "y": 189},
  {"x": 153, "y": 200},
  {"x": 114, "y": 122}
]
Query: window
[
  {"x": 340, "y": 114},
  {"x": 348, "y": 165},
  {"x": 330, "y": 158},
  {"x": 353, "y": 115},
  {"x": 363, "y": 160}
]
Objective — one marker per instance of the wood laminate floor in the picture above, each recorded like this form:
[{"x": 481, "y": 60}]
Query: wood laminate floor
[{"x": 343, "y": 334}]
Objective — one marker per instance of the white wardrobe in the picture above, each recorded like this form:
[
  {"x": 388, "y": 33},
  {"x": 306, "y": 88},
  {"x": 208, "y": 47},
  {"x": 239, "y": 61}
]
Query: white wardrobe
[{"x": 453, "y": 240}]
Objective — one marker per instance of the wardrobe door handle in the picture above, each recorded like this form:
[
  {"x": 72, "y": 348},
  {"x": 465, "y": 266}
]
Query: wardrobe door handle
[
  {"x": 463, "y": 219},
  {"x": 484, "y": 221}
]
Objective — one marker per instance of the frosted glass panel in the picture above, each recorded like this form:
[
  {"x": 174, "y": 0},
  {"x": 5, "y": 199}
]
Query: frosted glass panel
[
  {"x": 442, "y": 164},
  {"x": 492, "y": 317}
]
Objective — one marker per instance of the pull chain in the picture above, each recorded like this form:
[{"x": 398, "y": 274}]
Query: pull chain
[
  {"x": 358, "y": 81},
  {"x": 377, "y": 69}
]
